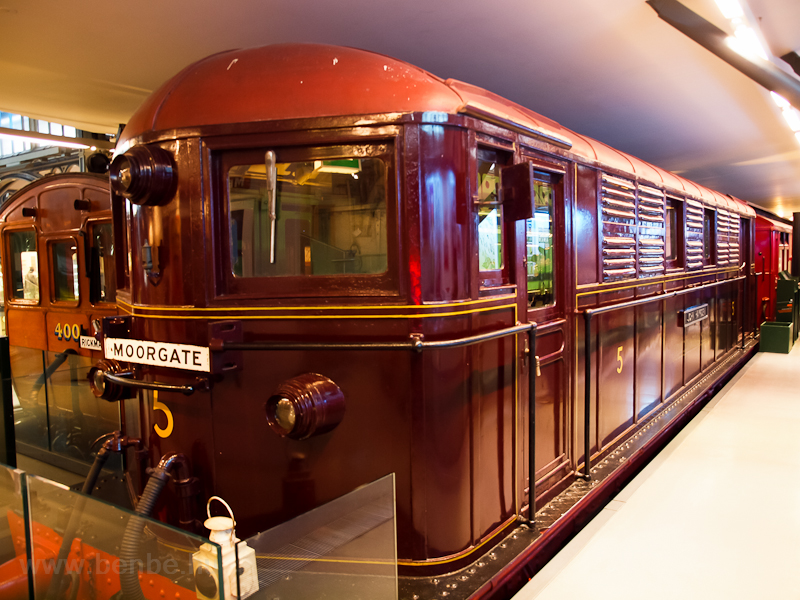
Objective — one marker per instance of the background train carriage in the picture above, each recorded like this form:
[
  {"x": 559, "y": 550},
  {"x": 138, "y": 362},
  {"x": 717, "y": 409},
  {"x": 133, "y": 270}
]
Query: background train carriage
[
  {"x": 401, "y": 210},
  {"x": 58, "y": 268}
]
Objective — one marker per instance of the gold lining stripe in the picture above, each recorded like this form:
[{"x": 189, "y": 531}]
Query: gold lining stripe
[
  {"x": 656, "y": 282},
  {"x": 304, "y": 559},
  {"x": 287, "y": 317},
  {"x": 133, "y": 307},
  {"x": 462, "y": 555}
]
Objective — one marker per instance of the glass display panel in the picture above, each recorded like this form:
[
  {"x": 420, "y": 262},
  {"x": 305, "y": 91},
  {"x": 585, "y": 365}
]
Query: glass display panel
[
  {"x": 30, "y": 397},
  {"x": 75, "y": 416},
  {"x": 24, "y": 265},
  {"x": 539, "y": 247},
  {"x": 329, "y": 218},
  {"x": 343, "y": 550},
  {"x": 87, "y": 543},
  {"x": 14, "y": 550},
  {"x": 104, "y": 276},
  {"x": 65, "y": 271},
  {"x": 490, "y": 213}
]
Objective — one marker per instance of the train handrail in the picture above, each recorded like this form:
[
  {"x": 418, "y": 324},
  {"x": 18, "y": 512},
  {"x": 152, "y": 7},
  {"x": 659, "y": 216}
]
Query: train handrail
[
  {"x": 187, "y": 389},
  {"x": 587, "y": 315},
  {"x": 418, "y": 344}
]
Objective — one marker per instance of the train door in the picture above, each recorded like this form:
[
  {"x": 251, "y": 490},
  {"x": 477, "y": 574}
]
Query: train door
[{"x": 542, "y": 296}]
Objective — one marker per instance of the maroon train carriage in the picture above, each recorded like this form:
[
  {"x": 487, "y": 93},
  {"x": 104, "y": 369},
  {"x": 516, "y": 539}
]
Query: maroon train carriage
[
  {"x": 772, "y": 255},
  {"x": 331, "y": 263},
  {"x": 58, "y": 278}
]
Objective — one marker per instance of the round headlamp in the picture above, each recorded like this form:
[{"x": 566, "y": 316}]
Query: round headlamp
[
  {"x": 304, "y": 406},
  {"x": 144, "y": 175}
]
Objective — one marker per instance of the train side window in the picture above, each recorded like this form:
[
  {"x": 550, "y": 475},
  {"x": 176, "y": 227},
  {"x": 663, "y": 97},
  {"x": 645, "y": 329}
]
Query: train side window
[
  {"x": 539, "y": 241},
  {"x": 328, "y": 217},
  {"x": 674, "y": 234},
  {"x": 64, "y": 268},
  {"x": 709, "y": 236},
  {"x": 24, "y": 265},
  {"x": 102, "y": 266},
  {"x": 491, "y": 247}
]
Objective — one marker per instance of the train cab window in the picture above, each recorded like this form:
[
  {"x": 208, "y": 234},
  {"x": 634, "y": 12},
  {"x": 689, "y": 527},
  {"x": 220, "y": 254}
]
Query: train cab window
[
  {"x": 674, "y": 233},
  {"x": 103, "y": 268},
  {"x": 539, "y": 243},
  {"x": 709, "y": 237},
  {"x": 65, "y": 271},
  {"x": 328, "y": 215},
  {"x": 24, "y": 265},
  {"x": 490, "y": 216}
]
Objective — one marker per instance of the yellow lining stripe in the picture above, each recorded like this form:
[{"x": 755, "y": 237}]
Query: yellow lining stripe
[
  {"x": 654, "y": 281},
  {"x": 312, "y": 317},
  {"x": 303, "y": 559},
  {"x": 463, "y": 555},
  {"x": 353, "y": 307}
]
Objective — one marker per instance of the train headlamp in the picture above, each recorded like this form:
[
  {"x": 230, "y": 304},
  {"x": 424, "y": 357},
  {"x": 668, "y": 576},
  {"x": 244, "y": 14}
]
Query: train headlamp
[
  {"x": 145, "y": 175},
  {"x": 102, "y": 387},
  {"x": 304, "y": 406}
]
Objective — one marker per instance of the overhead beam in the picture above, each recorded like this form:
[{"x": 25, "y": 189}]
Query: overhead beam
[
  {"x": 793, "y": 61},
  {"x": 713, "y": 39}
]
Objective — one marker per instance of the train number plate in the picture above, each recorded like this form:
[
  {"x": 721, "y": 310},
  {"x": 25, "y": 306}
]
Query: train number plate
[
  {"x": 693, "y": 314},
  {"x": 159, "y": 354}
]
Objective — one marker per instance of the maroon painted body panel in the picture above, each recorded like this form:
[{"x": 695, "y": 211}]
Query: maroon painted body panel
[{"x": 452, "y": 424}]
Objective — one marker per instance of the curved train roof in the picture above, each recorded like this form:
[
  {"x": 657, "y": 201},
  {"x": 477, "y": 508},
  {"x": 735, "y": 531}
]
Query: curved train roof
[{"x": 294, "y": 81}]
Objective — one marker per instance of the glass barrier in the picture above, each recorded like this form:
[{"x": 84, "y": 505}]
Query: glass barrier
[
  {"x": 55, "y": 410},
  {"x": 13, "y": 547},
  {"x": 85, "y": 548},
  {"x": 344, "y": 550}
]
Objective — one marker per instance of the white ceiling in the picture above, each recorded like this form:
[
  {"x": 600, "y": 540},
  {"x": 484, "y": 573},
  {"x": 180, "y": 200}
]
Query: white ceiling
[{"x": 610, "y": 69}]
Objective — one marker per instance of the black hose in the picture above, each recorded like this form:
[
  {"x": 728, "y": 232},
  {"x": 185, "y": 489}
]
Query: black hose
[
  {"x": 129, "y": 549},
  {"x": 59, "y": 583}
]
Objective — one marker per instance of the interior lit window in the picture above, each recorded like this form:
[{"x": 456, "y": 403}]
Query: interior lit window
[
  {"x": 539, "y": 244},
  {"x": 24, "y": 265},
  {"x": 490, "y": 211},
  {"x": 65, "y": 271},
  {"x": 328, "y": 218}
]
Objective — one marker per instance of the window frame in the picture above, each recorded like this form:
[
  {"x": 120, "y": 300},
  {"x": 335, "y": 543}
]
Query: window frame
[
  {"x": 288, "y": 286},
  {"x": 710, "y": 230},
  {"x": 493, "y": 278},
  {"x": 49, "y": 243},
  {"x": 679, "y": 261},
  {"x": 88, "y": 229},
  {"x": 7, "y": 271}
]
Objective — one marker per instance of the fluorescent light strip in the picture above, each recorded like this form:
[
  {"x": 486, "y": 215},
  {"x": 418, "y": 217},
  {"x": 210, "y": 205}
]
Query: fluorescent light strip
[{"x": 44, "y": 139}]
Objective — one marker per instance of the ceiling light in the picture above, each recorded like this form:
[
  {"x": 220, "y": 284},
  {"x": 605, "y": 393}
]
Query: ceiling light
[
  {"x": 41, "y": 142},
  {"x": 731, "y": 9},
  {"x": 749, "y": 41},
  {"x": 792, "y": 118},
  {"x": 782, "y": 102}
]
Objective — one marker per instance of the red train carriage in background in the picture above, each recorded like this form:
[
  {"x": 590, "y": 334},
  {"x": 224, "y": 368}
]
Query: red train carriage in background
[
  {"x": 772, "y": 255},
  {"x": 59, "y": 278},
  {"x": 331, "y": 264}
]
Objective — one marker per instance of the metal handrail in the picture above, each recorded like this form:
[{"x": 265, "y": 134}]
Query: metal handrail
[
  {"x": 587, "y": 315},
  {"x": 418, "y": 344}
]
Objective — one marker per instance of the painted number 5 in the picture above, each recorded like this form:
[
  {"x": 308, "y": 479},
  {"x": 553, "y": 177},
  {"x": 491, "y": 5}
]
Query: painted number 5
[
  {"x": 167, "y": 431},
  {"x": 619, "y": 359}
]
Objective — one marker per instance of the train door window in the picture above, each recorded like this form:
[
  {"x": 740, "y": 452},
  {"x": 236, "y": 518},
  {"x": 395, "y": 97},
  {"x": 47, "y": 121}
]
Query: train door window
[
  {"x": 64, "y": 267},
  {"x": 328, "y": 216},
  {"x": 674, "y": 233},
  {"x": 491, "y": 247},
  {"x": 709, "y": 237},
  {"x": 23, "y": 265},
  {"x": 539, "y": 242},
  {"x": 102, "y": 277}
]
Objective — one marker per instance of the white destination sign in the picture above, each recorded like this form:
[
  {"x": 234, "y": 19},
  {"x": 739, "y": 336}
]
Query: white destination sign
[
  {"x": 159, "y": 354},
  {"x": 87, "y": 342}
]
